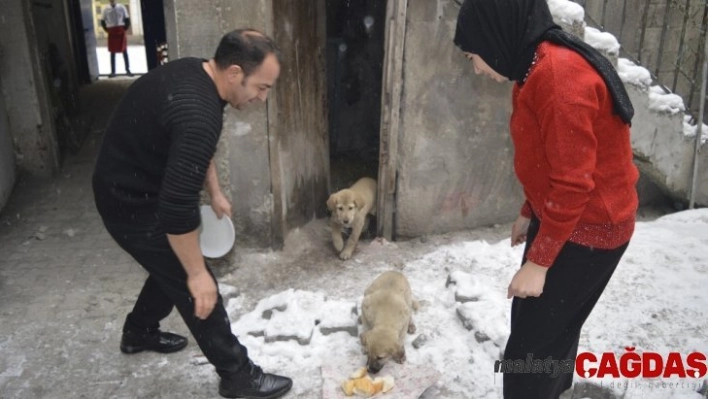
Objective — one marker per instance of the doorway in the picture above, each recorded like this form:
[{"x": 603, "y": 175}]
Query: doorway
[
  {"x": 147, "y": 43},
  {"x": 355, "y": 57}
]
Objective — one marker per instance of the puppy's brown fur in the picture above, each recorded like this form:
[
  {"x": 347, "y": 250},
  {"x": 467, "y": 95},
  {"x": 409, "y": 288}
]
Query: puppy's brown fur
[
  {"x": 387, "y": 314},
  {"x": 349, "y": 208}
]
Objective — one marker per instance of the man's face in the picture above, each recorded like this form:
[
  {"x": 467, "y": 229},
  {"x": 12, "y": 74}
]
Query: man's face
[
  {"x": 255, "y": 87},
  {"x": 113, "y": 2}
]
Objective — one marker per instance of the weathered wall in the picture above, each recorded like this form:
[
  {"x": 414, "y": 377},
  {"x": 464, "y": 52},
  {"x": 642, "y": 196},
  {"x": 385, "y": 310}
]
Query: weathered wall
[
  {"x": 300, "y": 124},
  {"x": 194, "y": 30},
  {"x": 455, "y": 155},
  {"x": 7, "y": 156},
  {"x": 662, "y": 151},
  {"x": 57, "y": 66},
  {"x": 669, "y": 18},
  {"x": 25, "y": 92}
]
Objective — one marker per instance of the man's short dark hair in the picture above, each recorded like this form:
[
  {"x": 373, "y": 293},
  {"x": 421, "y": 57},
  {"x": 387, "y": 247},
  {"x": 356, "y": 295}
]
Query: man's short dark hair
[{"x": 246, "y": 48}]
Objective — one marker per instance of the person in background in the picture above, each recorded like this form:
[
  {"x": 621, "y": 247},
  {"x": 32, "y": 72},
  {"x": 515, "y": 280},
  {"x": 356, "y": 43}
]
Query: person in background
[
  {"x": 116, "y": 22},
  {"x": 572, "y": 155},
  {"x": 155, "y": 158}
]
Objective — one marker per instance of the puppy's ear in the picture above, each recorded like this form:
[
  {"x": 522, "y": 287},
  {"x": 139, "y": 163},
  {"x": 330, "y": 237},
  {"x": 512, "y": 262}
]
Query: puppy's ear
[
  {"x": 359, "y": 201},
  {"x": 400, "y": 355},
  {"x": 332, "y": 202}
]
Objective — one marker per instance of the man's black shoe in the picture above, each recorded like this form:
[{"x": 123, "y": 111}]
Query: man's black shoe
[
  {"x": 155, "y": 340},
  {"x": 253, "y": 383}
]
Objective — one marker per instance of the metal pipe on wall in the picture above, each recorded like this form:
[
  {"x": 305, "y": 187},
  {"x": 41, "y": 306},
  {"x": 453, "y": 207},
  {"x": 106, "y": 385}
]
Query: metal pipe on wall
[{"x": 699, "y": 126}]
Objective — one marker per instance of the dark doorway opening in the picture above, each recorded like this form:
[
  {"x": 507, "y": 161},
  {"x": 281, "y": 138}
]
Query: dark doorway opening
[
  {"x": 154, "y": 33},
  {"x": 355, "y": 55}
]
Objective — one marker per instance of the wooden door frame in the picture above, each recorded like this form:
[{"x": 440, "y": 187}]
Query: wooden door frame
[{"x": 391, "y": 93}]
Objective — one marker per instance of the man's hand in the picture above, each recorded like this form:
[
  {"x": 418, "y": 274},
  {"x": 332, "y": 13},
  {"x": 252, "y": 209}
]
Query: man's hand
[
  {"x": 221, "y": 205},
  {"x": 519, "y": 230},
  {"x": 200, "y": 283},
  {"x": 203, "y": 289},
  {"x": 528, "y": 281}
]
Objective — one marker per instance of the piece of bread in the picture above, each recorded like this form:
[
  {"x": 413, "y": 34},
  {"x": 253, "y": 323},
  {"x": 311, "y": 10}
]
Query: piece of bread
[
  {"x": 387, "y": 382},
  {"x": 360, "y": 372},
  {"x": 361, "y": 384}
]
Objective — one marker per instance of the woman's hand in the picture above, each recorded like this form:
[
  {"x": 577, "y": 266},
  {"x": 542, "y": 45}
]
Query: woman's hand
[
  {"x": 528, "y": 281},
  {"x": 519, "y": 230}
]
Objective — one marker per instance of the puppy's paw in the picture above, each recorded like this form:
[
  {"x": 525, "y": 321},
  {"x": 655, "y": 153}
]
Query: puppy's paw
[
  {"x": 346, "y": 254},
  {"x": 338, "y": 243},
  {"x": 411, "y": 328}
]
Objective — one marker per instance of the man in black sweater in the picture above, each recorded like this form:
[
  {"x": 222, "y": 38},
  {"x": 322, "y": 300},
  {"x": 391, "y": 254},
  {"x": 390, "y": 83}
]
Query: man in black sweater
[{"x": 155, "y": 158}]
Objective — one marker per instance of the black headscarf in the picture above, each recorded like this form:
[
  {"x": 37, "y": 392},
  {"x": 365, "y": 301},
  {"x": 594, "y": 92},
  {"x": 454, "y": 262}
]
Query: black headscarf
[{"x": 506, "y": 33}]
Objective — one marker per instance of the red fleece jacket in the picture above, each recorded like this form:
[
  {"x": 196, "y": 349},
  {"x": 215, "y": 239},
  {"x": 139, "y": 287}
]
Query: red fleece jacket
[{"x": 572, "y": 156}]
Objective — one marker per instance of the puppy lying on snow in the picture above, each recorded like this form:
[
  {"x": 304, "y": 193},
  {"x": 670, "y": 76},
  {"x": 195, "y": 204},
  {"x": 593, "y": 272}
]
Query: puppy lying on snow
[
  {"x": 349, "y": 208},
  {"x": 387, "y": 314}
]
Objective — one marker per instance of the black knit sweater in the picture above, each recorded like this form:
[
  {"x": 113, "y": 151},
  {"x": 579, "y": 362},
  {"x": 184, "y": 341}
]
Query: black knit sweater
[{"x": 157, "y": 148}]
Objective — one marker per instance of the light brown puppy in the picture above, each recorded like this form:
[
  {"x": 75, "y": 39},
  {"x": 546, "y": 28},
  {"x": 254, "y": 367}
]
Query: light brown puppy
[
  {"x": 349, "y": 208},
  {"x": 387, "y": 314}
]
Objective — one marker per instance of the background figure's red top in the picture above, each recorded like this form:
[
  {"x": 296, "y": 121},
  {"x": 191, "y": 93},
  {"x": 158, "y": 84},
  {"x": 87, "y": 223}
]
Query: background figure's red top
[{"x": 573, "y": 156}]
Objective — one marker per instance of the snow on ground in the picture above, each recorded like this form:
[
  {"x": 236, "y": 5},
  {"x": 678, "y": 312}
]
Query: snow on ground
[{"x": 655, "y": 302}]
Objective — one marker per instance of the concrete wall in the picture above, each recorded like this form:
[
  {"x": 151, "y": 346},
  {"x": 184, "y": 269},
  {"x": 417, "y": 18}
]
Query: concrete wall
[
  {"x": 25, "y": 92},
  {"x": 455, "y": 159},
  {"x": 7, "y": 156},
  {"x": 662, "y": 151},
  {"x": 455, "y": 168},
  {"x": 194, "y": 30},
  {"x": 57, "y": 66}
]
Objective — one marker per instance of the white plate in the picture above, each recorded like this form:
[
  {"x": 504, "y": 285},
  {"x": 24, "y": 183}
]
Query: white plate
[{"x": 216, "y": 236}]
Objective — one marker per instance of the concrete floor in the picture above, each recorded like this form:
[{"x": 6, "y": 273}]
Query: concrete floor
[{"x": 65, "y": 286}]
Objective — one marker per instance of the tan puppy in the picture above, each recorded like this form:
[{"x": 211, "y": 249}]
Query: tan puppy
[
  {"x": 387, "y": 314},
  {"x": 349, "y": 208}
]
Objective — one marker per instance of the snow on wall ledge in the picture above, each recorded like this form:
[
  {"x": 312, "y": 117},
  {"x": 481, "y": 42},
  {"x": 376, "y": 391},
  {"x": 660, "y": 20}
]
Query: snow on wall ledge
[{"x": 662, "y": 137}]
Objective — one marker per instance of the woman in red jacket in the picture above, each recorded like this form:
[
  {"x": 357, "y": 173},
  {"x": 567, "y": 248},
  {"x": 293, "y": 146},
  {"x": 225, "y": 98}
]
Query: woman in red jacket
[{"x": 570, "y": 129}]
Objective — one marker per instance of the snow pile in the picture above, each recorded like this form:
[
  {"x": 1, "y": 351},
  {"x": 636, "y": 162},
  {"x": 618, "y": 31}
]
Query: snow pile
[
  {"x": 661, "y": 101},
  {"x": 602, "y": 41},
  {"x": 566, "y": 11},
  {"x": 633, "y": 74},
  {"x": 690, "y": 127}
]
